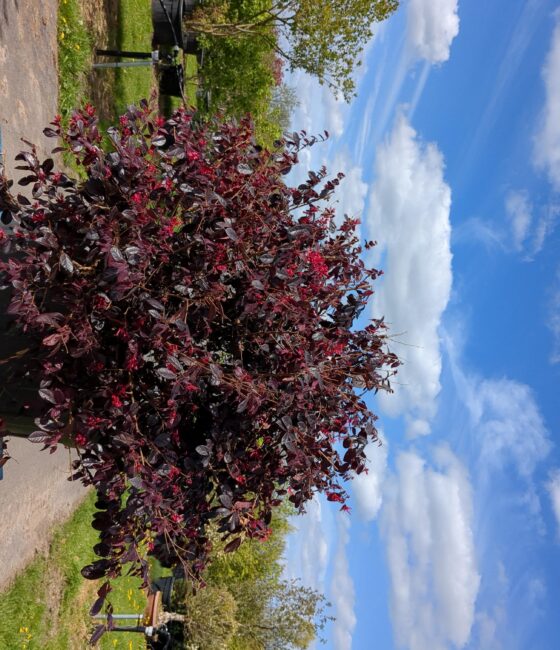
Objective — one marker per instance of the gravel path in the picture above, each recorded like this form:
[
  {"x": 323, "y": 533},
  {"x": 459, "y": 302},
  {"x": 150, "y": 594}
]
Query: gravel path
[{"x": 34, "y": 493}]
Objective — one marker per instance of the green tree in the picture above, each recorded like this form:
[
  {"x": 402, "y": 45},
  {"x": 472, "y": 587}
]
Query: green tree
[
  {"x": 277, "y": 615},
  {"x": 322, "y": 37},
  {"x": 261, "y": 610},
  {"x": 211, "y": 620},
  {"x": 284, "y": 101},
  {"x": 237, "y": 74}
]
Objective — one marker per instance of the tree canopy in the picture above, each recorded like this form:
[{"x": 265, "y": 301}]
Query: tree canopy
[
  {"x": 322, "y": 37},
  {"x": 261, "y": 610}
]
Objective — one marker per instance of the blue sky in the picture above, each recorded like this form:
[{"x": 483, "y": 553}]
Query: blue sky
[{"x": 451, "y": 152}]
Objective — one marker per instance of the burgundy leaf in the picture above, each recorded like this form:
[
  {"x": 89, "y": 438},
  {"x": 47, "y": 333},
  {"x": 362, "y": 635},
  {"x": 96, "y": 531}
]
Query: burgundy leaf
[
  {"x": 97, "y": 606},
  {"x": 39, "y": 436},
  {"x": 66, "y": 263},
  {"x": 191, "y": 323},
  {"x": 233, "y": 545},
  {"x": 97, "y": 634},
  {"x": 47, "y": 395}
]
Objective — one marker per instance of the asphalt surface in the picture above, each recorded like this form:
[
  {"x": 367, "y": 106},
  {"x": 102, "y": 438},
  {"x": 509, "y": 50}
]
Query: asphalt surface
[{"x": 35, "y": 492}]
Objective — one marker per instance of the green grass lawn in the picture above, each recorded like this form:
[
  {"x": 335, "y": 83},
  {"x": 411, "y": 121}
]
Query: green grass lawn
[
  {"x": 74, "y": 55},
  {"x": 47, "y": 606},
  {"x": 127, "y": 85},
  {"x": 134, "y": 32}
]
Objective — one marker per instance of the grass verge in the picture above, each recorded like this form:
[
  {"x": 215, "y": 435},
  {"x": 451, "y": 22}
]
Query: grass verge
[
  {"x": 111, "y": 90},
  {"x": 134, "y": 32},
  {"x": 47, "y": 606},
  {"x": 74, "y": 56}
]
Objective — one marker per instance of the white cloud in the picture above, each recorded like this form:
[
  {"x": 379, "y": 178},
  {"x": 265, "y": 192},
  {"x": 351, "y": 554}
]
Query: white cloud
[
  {"x": 536, "y": 594},
  {"x": 487, "y": 626},
  {"x": 421, "y": 81},
  {"x": 510, "y": 428},
  {"x": 426, "y": 525},
  {"x": 547, "y": 140},
  {"x": 409, "y": 216},
  {"x": 308, "y": 547},
  {"x": 522, "y": 34},
  {"x": 432, "y": 26},
  {"x": 490, "y": 623},
  {"x": 352, "y": 191},
  {"x": 367, "y": 488},
  {"x": 524, "y": 229},
  {"x": 342, "y": 592},
  {"x": 543, "y": 228},
  {"x": 418, "y": 428},
  {"x": 318, "y": 108},
  {"x": 519, "y": 213},
  {"x": 553, "y": 487},
  {"x": 553, "y": 321},
  {"x": 554, "y": 326},
  {"x": 505, "y": 418},
  {"x": 478, "y": 230},
  {"x": 334, "y": 111}
]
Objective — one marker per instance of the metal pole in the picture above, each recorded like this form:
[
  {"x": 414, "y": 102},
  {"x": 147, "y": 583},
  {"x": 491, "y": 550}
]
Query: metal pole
[
  {"x": 125, "y": 54},
  {"x": 128, "y": 628},
  {"x": 130, "y": 617},
  {"x": 123, "y": 64}
]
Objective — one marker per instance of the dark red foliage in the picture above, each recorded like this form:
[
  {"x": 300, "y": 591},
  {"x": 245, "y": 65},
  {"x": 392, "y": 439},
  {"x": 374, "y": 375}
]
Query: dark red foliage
[{"x": 193, "y": 320}]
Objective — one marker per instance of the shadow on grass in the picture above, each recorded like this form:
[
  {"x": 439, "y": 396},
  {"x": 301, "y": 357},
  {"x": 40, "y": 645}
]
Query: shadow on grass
[{"x": 118, "y": 24}]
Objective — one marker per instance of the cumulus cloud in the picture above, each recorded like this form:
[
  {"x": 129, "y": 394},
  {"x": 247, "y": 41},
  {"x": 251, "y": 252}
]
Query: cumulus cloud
[
  {"x": 553, "y": 487},
  {"x": 432, "y": 26},
  {"x": 547, "y": 140},
  {"x": 342, "y": 590},
  {"x": 426, "y": 525},
  {"x": 367, "y": 487},
  {"x": 318, "y": 107},
  {"x": 519, "y": 212},
  {"x": 351, "y": 194},
  {"x": 409, "y": 211}
]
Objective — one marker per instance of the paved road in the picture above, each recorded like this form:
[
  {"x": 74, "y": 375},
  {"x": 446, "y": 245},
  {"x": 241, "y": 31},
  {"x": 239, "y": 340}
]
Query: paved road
[
  {"x": 28, "y": 73},
  {"x": 34, "y": 493}
]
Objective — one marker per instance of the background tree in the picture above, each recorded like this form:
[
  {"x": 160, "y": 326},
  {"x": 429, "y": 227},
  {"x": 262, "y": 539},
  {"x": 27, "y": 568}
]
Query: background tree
[
  {"x": 271, "y": 613},
  {"x": 284, "y": 101},
  {"x": 211, "y": 619},
  {"x": 190, "y": 325},
  {"x": 322, "y": 37},
  {"x": 239, "y": 76}
]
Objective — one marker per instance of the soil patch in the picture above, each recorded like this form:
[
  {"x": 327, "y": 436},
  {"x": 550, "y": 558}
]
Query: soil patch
[{"x": 101, "y": 19}]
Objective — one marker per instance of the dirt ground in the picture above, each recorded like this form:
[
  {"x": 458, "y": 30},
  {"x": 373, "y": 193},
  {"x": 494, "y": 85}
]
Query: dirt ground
[
  {"x": 100, "y": 17},
  {"x": 34, "y": 493}
]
